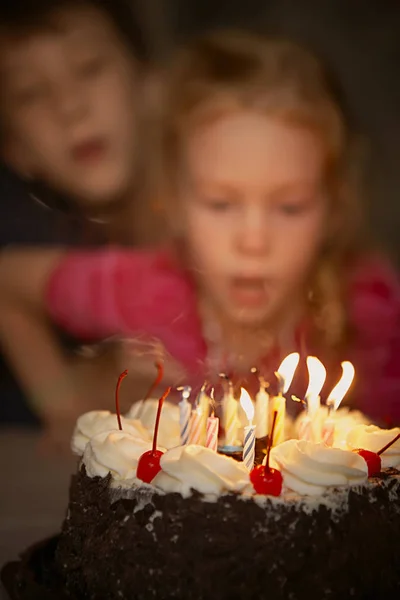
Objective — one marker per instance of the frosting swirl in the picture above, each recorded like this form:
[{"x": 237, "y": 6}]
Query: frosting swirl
[
  {"x": 310, "y": 469},
  {"x": 370, "y": 437},
  {"x": 169, "y": 431},
  {"x": 188, "y": 468},
  {"x": 91, "y": 423},
  {"x": 115, "y": 452}
]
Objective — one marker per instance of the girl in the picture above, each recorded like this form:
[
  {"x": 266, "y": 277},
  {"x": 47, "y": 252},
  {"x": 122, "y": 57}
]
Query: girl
[{"x": 258, "y": 182}]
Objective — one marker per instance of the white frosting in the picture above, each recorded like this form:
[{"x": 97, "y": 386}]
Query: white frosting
[
  {"x": 343, "y": 418},
  {"x": 116, "y": 452},
  {"x": 311, "y": 469},
  {"x": 169, "y": 431},
  {"x": 370, "y": 437},
  {"x": 91, "y": 423},
  {"x": 198, "y": 468}
]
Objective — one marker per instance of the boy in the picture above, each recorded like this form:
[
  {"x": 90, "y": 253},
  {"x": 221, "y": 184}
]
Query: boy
[{"x": 70, "y": 79}]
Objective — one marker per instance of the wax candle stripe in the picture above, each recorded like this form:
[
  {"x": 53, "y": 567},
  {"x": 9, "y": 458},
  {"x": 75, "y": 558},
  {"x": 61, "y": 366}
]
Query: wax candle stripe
[
  {"x": 328, "y": 432},
  {"x": 249, "y": 446},
  {"x": 195, "y": 428},
  {"x": 305, "y": 429},
  {"x": 212, "y": 433},
  {"x": 185, "y": 412}
]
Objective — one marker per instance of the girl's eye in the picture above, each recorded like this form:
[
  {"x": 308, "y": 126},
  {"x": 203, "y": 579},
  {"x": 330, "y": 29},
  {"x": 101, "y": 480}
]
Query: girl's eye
[
  {"x": 219, "y": 204},
  {"x": 291, "y": 209},
  {"x": 294, "y": 208}
]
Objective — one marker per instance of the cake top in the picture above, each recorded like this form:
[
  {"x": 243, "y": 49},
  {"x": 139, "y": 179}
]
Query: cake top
[
  {"x": 327, "y": 447},
  {"x": 307, "y": 468}
]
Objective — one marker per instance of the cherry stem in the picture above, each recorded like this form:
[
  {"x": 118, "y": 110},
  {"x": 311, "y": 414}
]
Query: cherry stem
[
  {"x": 160, "y": 374},
  {"x": 382, "y": 450},
  {"x": 270, "y": 440},
  {"x": 117, "y": 408},
  {"x": 160, "y": 405}
]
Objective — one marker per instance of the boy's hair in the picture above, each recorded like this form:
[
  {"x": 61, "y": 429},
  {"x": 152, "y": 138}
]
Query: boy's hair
[
  {"x": 227, "y": 71},
  {"x": 18, "y": 17}
]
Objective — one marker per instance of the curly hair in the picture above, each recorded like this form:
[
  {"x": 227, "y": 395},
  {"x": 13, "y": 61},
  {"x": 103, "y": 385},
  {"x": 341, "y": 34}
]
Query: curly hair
[{"x": 227, "y": 71}]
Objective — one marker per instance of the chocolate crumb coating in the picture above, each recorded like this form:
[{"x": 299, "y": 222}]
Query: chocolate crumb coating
[{"x": 141, "y": 544}]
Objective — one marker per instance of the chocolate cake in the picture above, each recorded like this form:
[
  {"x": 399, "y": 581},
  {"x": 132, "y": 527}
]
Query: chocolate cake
[
  {"x": 142, "y": 543},
  {"x": 204, "y": 529}
]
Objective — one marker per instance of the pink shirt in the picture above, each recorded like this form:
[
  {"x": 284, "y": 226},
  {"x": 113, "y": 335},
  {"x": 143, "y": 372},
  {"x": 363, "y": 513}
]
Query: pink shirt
[{"x": 128, "y": 292}]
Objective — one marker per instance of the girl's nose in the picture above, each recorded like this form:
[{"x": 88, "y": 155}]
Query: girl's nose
[{"x": 252, "y": 237}]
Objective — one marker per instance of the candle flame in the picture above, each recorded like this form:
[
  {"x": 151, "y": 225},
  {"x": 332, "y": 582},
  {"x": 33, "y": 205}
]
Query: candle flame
[
  {"x": 317, "y": 375},
  {"x": 287, "y": 369},
  {"x": 247, "y": 404},
  {"x": 342, "y": 387}
]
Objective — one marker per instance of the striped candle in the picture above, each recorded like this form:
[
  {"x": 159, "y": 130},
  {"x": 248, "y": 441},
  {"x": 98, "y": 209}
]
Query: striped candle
[
  {"x": 328, "y": 432},
  {"x": 185, "y": 412},
  {"x": 203, "y": 403},
  {"x": 310, "y": 429},
  {"x": 196, "y": 427},
  {"x": 249, "y": 446},
  {"x": 305, "y": 429},
  {"x": 212, "y": 433}
]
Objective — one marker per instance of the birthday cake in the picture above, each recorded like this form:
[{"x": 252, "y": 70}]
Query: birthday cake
[
  {"x": 206, "y": 527},
  {"x": 317, "y": 519}
]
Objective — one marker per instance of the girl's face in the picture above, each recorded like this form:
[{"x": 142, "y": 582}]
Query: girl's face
[{"x": 255, "y": 213}]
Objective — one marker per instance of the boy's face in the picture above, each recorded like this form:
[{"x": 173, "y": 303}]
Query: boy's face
[
  {"x": 255, "y": 213},
  {"x": 68, "y": 104}
]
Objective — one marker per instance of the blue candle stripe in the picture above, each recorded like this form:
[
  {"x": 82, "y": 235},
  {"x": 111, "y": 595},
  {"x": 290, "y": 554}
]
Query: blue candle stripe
[{"x": 249, "y": 448}]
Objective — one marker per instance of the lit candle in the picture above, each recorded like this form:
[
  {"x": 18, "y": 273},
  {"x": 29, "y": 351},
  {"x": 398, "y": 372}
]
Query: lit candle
[
  {"x": 198, "y": 420},
  {"x": 185, "y": 412},
  {"x": 230, "y": 413},
  {"x": 249, "y": 431},
  {"x": 262, "y": 410},
  {"x": 196, "y": 427},
  {"x": 334, "y": 400},
  {"x": 212, "y": 432},
  {"x": 311, "y": 426},
  {"x": 285, "y": 375},
  {"x": 203, "y": 401}
]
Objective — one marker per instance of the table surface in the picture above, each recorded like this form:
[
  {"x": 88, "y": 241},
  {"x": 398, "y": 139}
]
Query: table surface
[{"x": 33, "y": 493}]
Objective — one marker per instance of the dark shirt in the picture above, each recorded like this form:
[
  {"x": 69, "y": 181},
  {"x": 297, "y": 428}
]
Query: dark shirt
[{"x": 31, "y": 216}]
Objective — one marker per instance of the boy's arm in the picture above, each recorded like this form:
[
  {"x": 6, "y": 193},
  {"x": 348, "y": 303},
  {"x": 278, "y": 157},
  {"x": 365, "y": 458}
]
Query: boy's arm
[
  {"x": 29, "y": 344},
  {"x": 31, "y": 348},
  {"x": 103, "y": 293}
]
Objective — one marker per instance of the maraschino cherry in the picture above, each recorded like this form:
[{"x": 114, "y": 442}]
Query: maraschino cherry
[
  {"x": 373, "y": 459},
  {"x": 266, "y": 480},
  {"x": 149, "y": 462},
  {"x": 117, "y": 405}
]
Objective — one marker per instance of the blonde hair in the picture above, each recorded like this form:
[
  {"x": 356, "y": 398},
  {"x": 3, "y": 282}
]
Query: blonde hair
[{"x": 226, "y": 71}]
